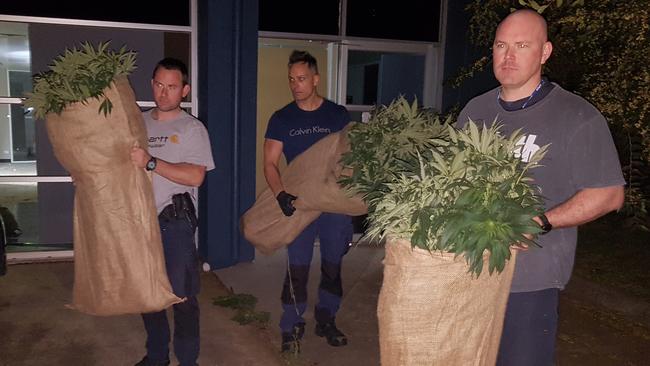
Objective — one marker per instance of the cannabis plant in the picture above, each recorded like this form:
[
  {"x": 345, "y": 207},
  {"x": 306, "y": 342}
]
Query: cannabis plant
[
  {"x": 76, "y": 76},
  {"x": 461, "y": 191},
  {"x": 381, "y": 149}
]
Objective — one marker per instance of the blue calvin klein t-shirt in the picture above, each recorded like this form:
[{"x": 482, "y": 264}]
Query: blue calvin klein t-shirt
[{"x": 298, "y": 129}]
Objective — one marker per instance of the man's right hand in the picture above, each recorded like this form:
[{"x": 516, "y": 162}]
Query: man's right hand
[
  {"x": 139, "y": 157},
  {"x": 285, "y": 200}
]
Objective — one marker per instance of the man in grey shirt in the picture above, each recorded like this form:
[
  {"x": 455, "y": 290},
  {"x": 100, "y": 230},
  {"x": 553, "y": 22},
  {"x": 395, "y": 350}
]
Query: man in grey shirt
[
  {"x": 580, "y": 178},
  {"x": 179, "y": 155}
]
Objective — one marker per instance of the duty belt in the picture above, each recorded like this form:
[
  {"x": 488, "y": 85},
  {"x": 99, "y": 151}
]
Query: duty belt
[
  {"x": 181, "y": 208},
  {"x": 169, "y": 213}
]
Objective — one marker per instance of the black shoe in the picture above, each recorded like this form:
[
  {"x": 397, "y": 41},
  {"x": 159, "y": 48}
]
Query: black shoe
[
  {"x": 147, "y": 362},
  {"x": 291, "y": 340},
  {"x": 334, "y": 336}
]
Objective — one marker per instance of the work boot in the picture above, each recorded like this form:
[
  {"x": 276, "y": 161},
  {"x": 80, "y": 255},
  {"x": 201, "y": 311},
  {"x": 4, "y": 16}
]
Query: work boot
[
  {"x": 291, "y": 340},
  {"x": 334, "y": 336},
  {"x": 148, "y": 362}
]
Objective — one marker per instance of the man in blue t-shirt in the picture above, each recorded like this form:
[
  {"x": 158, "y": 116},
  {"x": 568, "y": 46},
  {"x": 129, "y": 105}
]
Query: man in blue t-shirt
[{"x": 292, "y": 130}]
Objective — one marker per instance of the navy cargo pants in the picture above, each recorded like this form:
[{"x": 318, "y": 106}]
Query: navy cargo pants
[
  {"x": 335, "y": 233},
  {"x": 181, "y": 261},
  {"x": 530, "y": 329}
]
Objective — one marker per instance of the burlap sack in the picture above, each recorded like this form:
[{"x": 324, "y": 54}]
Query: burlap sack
[
  {"x": 119, "y": 262},
  {"x": 312, "y": 177},
  {"x": 433, "y": 312}
]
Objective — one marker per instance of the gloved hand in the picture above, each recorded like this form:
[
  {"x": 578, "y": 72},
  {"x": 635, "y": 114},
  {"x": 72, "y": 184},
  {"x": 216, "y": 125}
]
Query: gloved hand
[{"x": 285, "y": 200}]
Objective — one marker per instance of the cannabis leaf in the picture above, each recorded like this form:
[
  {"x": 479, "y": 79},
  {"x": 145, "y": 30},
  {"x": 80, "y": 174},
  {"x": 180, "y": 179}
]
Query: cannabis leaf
[{"x": 77, "y": 75}]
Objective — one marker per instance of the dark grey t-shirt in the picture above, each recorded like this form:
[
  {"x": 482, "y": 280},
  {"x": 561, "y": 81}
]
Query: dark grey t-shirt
[{"x": 581, "y": 155}]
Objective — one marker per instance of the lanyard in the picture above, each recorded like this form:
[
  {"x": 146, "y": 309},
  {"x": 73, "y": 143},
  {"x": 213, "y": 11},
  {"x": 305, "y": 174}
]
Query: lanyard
[{"x": 539, "y": 86}]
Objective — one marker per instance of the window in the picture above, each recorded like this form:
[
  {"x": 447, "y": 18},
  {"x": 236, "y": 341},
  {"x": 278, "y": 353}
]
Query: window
[
  {"x": 374, "y": 73},
  {"x": 294, "y": 17},
  {"x": 379, "y": 51},
  {"x": 42, "y": 211},
  {"x": 17, "y": 129},
  {"x": 379, "y": 77},
  {"x": 36, "y": 193},
  {"x": 410, "y": 20},
  {"x": 169, "y": 12}
]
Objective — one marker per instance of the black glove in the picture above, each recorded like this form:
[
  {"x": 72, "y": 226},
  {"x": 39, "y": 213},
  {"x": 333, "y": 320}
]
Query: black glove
[{"x": 285, "y": 200}]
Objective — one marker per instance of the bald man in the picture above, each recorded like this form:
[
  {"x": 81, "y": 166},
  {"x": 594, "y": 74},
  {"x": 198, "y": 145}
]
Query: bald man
[{"x": 580, "y": 178}]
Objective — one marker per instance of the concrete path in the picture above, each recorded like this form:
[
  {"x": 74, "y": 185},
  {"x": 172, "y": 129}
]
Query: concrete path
[
  {"x": 362, "y": 276},
  {"x": 36, "y": 328},
  {"x": 598, "y": 326}
]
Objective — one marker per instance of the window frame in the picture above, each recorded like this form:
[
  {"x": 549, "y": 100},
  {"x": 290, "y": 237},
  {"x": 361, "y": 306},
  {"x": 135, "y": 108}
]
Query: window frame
[{"x": 192, "y": 30}]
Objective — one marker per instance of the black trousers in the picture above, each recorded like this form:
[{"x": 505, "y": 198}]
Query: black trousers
[
  {"x": 529, "y": 329},
  {"x": 181, "y": 261}
]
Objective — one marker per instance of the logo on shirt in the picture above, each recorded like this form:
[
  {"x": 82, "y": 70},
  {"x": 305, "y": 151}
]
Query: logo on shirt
[
  {"x": 526, "y": 147},
  {"x": 308, "y": 131},
  {"x": 160, "y": 141}
]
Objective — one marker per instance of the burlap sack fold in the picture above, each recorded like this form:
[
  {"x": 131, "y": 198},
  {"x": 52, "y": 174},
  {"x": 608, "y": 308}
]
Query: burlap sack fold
[
  {"x": 119, "y": 262},
  {"x": 433, "y": 312},
  {"x": 312, "y": 177}
]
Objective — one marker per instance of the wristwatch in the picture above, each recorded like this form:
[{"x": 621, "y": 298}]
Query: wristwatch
[
  {"x": 546, "y": 225},
  {"x": 151, "y": 164}
]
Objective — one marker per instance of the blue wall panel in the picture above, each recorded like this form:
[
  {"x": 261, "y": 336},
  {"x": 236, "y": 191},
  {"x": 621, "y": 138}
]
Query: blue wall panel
[{"x": 227, "y": 47}]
